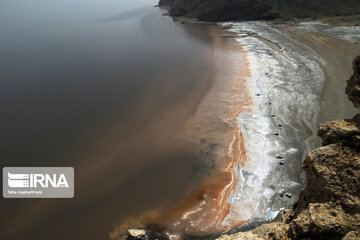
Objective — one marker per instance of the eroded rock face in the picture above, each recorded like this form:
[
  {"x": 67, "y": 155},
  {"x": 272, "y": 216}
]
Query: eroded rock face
[
  {"x": 353, "y": 235},
  {"x": 353, "y": 88},
  {"x": 333, "y": 176},
  {"x": 323, "y": 221},
  {"x": 345, "y": 131},
  {"x": 329, "y": 204}
]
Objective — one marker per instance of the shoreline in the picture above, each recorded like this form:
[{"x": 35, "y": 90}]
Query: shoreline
[
  {"x": 268, "y": 53},
  {"x": 203, "y": 212},
  {"x": 214, "y": 127},
  {"x": 272, "y": 47},
  {"x": 274, "y": 132}
]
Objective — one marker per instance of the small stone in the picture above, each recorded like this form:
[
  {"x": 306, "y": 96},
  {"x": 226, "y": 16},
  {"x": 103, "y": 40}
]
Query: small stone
[
  {"x": 288, "y": 195},
  {"x": 276, "y": 134},
  {"x": 258, "y": 94},
  {"x": 279, "y": 125},
  {"x": 137, "y": 233},
  {"x": 281, "y": 163},
  {"x": 273, "y": 115},
  {"x": 279, "y": 157}
]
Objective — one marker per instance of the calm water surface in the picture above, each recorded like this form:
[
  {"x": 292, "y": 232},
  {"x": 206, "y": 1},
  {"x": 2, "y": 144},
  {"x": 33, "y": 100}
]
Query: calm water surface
[{"x": 105, "y": 87}]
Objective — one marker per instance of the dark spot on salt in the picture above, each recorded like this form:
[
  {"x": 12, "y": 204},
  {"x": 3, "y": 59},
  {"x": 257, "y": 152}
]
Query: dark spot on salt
[
  {"x": 288, "y": 195},
  {"x": 281, "y": 163},
  {"x": 276, "y": 134}
]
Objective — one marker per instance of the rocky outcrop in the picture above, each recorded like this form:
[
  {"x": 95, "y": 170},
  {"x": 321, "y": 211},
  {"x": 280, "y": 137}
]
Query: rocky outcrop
[
  {"x": 235, "y": 10},
  {"x": 329, "y": 204},
  {"x": 345, "y": 131},
  {"x": 353, "y": 88}
]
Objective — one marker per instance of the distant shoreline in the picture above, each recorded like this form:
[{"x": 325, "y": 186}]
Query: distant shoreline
[{"x": 243, "y": 10}]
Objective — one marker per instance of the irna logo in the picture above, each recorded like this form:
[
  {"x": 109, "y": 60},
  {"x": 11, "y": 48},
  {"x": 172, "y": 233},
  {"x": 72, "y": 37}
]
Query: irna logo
[{"x": 37, "y": 180}]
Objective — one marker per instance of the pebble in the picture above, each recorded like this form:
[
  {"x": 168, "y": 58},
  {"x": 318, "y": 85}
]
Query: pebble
[
  {"x": 288, "y": 195},
  {"x": 281, "y": 163},
  {"x": 276, "y": 134},
  {"x": 137, "y": 233}
]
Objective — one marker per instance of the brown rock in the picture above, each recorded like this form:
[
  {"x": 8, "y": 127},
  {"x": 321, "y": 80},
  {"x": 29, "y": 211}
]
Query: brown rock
[
  {"x": 242, "y": 236},
  {"x": 353, "y": 88},
  {"x": 266, "y": 231},
  {"x": 345, "y": 131},
  {"x": 323, "y": 221},
  {"x": 353, "y": 235},
  {"x": 333, "y": 174}
]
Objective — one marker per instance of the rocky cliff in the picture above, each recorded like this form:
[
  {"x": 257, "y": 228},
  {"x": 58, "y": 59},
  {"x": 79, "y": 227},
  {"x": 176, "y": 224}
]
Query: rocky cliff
[
  {"x": 329, "y": 204},
  {"x": 234, "y": 10}
]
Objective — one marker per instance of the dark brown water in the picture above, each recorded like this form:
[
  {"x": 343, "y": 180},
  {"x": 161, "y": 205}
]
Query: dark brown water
[{"x": 104, "y": 87}]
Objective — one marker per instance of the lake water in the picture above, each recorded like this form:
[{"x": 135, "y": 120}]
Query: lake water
[{"x": 104, "y": 87}]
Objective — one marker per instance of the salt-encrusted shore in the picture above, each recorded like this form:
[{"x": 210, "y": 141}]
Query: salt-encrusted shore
[{"x": 287, "y": 84}]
